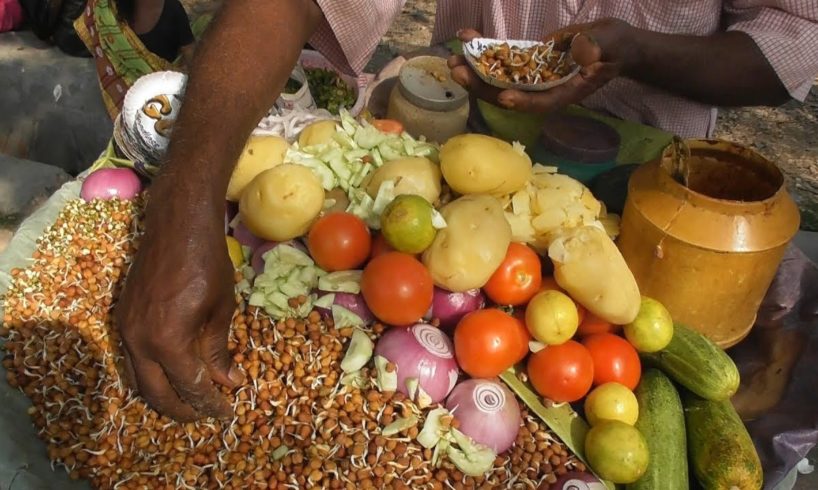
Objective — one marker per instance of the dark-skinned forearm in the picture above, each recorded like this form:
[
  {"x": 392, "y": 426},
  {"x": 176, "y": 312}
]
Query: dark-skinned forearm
[
  {"x": 237, "y": 72},
  {"x": 725, "y": 69}
]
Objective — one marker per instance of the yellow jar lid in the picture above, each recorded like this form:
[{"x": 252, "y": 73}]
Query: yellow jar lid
[{"x": 426, "y": 82}]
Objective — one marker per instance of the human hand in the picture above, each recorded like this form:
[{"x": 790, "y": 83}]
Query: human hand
[
  {"x": 601, "y": 49},
  {"x": 175, "y": 310}
]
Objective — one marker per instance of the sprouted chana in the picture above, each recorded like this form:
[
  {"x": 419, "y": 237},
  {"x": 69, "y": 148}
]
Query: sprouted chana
[
  {"x": 537, "y": 64},
  {"x": 296, "y": 425}
]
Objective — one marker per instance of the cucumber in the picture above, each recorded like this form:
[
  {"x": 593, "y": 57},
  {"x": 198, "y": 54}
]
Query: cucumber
[
  {"x": 695, "y": 362},
  {"x": 661, "y": 422},
  {"x": 721, "y": 451}
]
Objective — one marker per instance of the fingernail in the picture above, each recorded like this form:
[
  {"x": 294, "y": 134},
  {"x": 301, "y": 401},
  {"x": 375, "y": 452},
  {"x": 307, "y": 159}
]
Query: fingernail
[{"x": 236, "y": 376}]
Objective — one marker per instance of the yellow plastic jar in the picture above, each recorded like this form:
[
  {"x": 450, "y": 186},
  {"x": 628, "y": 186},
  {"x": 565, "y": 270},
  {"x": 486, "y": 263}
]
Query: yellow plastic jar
[{"x": 427, "y": 101}]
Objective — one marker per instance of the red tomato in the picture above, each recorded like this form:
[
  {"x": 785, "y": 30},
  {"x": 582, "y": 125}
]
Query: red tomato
[
  {"x": 562, "y": 373},
  {"x": 615, "y": 360},
  {"x": 388, "y": 126},
  {"x": 487, "y": 342},
  {"x": 593, "y": 324},
  {"x": 517, "y": 279},
  {"x": 397, "y": 288},
  {"x": 339, "y": 242},
  {"x": 380, "y": 246}
]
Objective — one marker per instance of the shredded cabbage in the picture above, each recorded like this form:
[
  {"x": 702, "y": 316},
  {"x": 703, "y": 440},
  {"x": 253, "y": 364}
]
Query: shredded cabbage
[
  {"x": 356, "y": 150},
  {"x": 288, "y": 273}
]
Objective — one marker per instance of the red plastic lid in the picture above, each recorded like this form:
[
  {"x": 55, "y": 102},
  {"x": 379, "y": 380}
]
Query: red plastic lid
[{"x": 580, "y": 139}]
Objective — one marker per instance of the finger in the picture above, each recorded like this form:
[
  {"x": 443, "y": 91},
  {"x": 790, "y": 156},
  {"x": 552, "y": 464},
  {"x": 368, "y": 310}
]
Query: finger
[
  {"x": 213, "y": 348},
  {"x": 468, "y": 79},
  {"x": 586, "y": 82},
  {"x": 156, "y": 390},
  {"x": 190, "y": 377},
  {"x": 128, "y": 370},
  {"x": 456, "y": 60},
  {"x": 467, "y": 35},
  {"x": 585, "y": 50}
]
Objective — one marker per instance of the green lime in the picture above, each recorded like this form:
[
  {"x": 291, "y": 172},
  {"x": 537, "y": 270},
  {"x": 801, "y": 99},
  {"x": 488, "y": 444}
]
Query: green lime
[
  {"x": 406, "y": 224},
  {"x": 617, "y": 451},
  {"x": 652, "y": 329}
]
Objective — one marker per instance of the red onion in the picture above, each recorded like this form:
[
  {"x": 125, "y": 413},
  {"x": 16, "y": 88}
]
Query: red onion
[
  {"x": 352, "y": 302},
  {"x": 422, "y": 352},
  {"x": 109, "y": 183},
  {"x": 246, "y": 238},
  {"x": 449, "y": 308},
  {"x": 577, "y": 481},
  {"x": 257, "y": 261},
  {"x": 487, "y": 411}
]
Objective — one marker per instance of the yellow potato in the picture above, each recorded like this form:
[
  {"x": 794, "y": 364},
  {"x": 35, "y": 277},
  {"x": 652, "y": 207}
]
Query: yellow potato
[
  {"x": 412, "y": 175},
  {"x": 261, "y": 152},
  {"x": 480, "y": 164},
  {"x": 466, "y": 253},
  {"x": 591, "y": 269},
  {"x": 282, "y": 202},
  {"x": 317, "y": 133}
]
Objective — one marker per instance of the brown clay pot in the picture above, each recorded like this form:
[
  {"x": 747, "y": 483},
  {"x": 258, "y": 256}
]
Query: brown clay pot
[{"x": 709, "y": 250}]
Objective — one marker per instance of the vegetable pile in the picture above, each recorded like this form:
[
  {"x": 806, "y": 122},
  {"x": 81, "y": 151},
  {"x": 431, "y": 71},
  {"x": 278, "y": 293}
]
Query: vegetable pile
[
  {"x": 393, "y": 312},
  {"x": 298, "y": 422}
]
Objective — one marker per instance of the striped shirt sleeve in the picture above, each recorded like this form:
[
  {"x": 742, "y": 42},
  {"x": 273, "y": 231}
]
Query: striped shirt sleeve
[
  {"x": 786, "y": 31},
  {"x": 351, "y": 29}
]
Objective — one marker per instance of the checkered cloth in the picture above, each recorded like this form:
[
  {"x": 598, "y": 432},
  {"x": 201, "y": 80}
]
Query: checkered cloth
[{"x": 786, "y": 31}]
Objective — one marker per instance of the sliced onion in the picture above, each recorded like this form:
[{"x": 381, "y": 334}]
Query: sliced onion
[
  {"x": 449, "y": 308},
  {"x": 110, "y": 183},
  {"x": 487, "y": 411},
  {"x": 257, "y": 261},
  {"x": 576, "y": 480},
  {"x": 246, "y": 238},
  {"x": 353, "y": 302},
  {"x": 422, "y": 352}
]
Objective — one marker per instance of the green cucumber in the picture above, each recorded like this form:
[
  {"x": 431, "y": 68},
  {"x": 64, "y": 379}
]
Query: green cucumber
[
  {"x": 721, "y": 451},
  {"x": 661, "y": 421},
  {"x": 695, "y": 362}
]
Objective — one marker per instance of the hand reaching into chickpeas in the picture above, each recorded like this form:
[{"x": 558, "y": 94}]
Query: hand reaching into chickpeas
[{"x": 593, "y": 47}]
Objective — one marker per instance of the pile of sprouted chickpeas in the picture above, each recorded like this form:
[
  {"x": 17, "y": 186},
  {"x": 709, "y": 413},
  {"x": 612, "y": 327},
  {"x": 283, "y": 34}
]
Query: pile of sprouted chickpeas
[{"x": 295, "y": 425}]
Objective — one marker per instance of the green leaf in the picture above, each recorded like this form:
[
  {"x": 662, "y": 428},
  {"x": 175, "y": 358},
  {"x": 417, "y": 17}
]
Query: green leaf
[{"x": 561, "y": 419}]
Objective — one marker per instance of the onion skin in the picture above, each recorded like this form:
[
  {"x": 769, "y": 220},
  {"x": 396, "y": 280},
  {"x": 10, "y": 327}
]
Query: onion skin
[
  {"x": 352, "y": 302},
  {"x": 111, "y": 183},
  {"x": 423, "y": 352},
  {"x": 488, "y": 412},
  {"x": 449, "y": 308},
  {"x": 576, "y": 481}
]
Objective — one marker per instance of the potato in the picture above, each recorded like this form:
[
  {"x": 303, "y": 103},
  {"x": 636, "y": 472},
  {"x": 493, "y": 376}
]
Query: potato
[
  {"x": 591, "y": 269},
  {"x": 282, "y": 202},
  {"x": 412, "y": 175},
  {"x": 261, "y": 152},
  {"x": 317, "y": 133},
  {"x": 466, "y": 253},
  {"x": 480, "y": 164}
]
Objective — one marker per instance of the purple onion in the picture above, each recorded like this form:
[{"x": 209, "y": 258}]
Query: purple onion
[
  {"x": 110, "y": 183},
  {"x": 487, "y": 411},
  {"x": 352, "y": 302},
  {"x": 449, "y": 308},
  {"x": 246, "y": 237},
  {"x": 577, "y": 481},
  {"x": 422, "y": 352}
]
